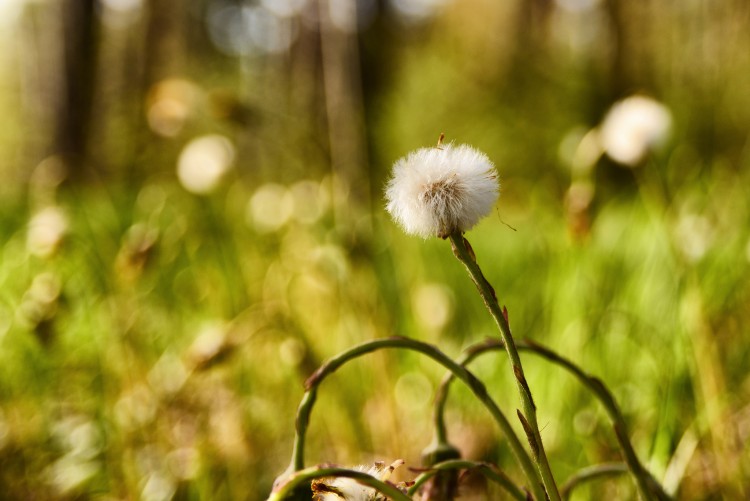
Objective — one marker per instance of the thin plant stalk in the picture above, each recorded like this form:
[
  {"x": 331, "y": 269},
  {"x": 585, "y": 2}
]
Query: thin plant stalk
[
  {"x": 590, "y": 473},
  {"x": 474, "y": 384},
  {"x": 647, "y": 485},
  {"x": 489, "y": 471},
  {"x": 304, "y": 477},
  {"x": 462, "y": 251}
]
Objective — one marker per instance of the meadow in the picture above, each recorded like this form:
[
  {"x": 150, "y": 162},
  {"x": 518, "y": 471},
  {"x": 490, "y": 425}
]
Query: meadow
[{"x": 157, "y": 321}]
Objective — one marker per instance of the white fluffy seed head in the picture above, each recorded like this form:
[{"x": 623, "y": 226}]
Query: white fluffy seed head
[
  {"x": 438, "y": 191},
  {"x": 633, "y": 127}
]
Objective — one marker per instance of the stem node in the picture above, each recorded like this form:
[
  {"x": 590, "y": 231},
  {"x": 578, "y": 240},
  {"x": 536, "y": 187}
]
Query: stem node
[
  {"x": 529, "y": 434},
  {"x": 522, "y": 381}
]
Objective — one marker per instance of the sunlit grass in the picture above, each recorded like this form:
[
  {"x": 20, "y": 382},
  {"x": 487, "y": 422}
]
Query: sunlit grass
[
  {"x": 154, "y": 342},
  {"x": 171, "y": 355}
]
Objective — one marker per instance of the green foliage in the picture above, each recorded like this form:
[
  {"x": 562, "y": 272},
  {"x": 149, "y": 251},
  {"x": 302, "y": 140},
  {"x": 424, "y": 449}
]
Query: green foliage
[{"x": 160, "y": 347}]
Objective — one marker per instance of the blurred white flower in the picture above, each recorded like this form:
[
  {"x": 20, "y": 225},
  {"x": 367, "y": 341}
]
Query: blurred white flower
[
  {"x": 349, "y": 489},
  {"x": 46, "y": 231},
  {"x": 270, "y": 207},
  {"x": 632, "y": 127},
  {"x": 204, "y": 162},
  {"x": 438, "y": 191}
]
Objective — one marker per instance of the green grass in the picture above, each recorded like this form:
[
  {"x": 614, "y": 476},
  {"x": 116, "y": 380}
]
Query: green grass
[
  {"x": 112, "y": 386},
  {"x": 161, "y": 350}
]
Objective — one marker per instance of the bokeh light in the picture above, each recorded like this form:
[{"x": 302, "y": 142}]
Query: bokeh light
[
  {"x": 46, "y": 231},
  {"x": 204, "y": 162}
]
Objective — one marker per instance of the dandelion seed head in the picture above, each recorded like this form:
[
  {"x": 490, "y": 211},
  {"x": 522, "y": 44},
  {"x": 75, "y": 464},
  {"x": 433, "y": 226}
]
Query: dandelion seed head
[
  {"x": 438, "y": 191},
  {"x": 633, "y": 127}
]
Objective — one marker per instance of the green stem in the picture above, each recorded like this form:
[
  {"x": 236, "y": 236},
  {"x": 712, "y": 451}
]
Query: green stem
[
  {"x": 462, "y": 251},
  {"x": 647, "y": 485},
  {"x": 489, "y": 471},
  {"x": 302, "y": 477},
  {"x": 303, "y": 420},
  {"x": 591, "y": 473},
  {"x": 642, "y": 477},
  {"x": 474, "y": 384}
]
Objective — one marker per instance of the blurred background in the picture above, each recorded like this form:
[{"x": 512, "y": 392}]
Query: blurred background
[{"x": 192, "y": 220}]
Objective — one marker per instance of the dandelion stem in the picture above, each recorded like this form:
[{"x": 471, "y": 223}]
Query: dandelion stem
[
  {"x": 462, "y": 251},
  {"x": 647, "y": 485},
  {"x": 474, "y": 384},
  {"x": 287, "y": 489},
  {"x": 489, "y": 471}
]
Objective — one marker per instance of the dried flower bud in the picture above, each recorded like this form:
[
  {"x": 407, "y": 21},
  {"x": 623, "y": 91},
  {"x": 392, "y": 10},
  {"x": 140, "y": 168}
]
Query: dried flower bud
[{"x": 348, "y": 489}]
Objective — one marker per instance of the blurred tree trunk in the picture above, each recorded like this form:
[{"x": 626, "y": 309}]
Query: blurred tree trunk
[
  {"x": 380, "y": 47},
  {"x": 165, "y": 39},
  {"x": 76, "y": 92},
  {"x": 160, "y": 55},
  {"x": 345, "y": 111},
  {"x": 531, "y": 37}
]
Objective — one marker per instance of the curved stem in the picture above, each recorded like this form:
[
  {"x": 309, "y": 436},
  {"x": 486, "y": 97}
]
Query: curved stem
[
  {"x": 474, "y": 384},
  {"x": 302, "y": 477},
  {"x": 302, "y": 421},
  {"x": 462, "y": 251},
  {"x": 489, "y": 471},
  {"x": 648, "y": 487},
  {"x": 642, "y": 477},
  {"x": 591, "y": 473}
]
